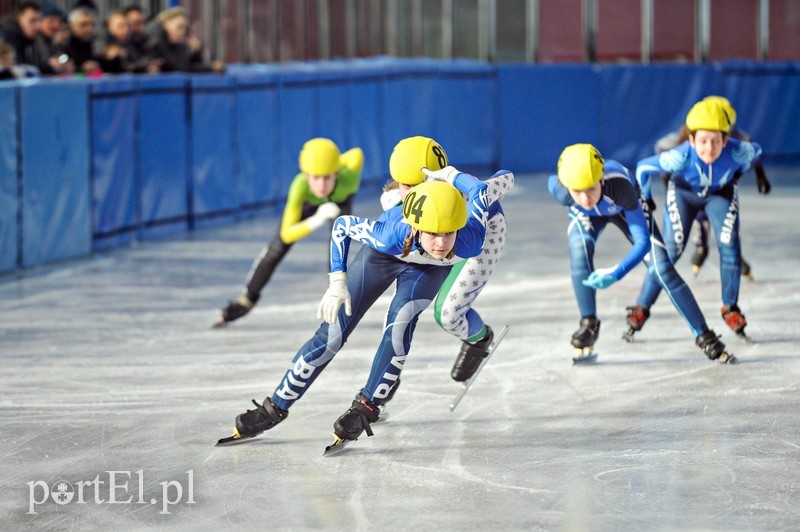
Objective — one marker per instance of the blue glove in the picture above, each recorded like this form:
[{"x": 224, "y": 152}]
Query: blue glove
[{"x": 600, "y": 279}]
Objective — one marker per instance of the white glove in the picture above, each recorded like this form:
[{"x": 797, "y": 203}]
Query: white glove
[
  {"x": 336, "y": 294},
  {"x": 325, "y": 212},
  {"x": 390, "y": 198},
  {"x": 447, "y": 174}
]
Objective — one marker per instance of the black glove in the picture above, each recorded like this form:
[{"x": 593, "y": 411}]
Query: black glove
[
  {"x": 651, "y": 204},
  {"x": 761, "y": 179}
]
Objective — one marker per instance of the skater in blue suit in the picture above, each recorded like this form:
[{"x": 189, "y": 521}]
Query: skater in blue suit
[
  {"x": 704, "y": 174},
  {"x": 415, "y": 245},
  {"x": 597, "y": 193}
]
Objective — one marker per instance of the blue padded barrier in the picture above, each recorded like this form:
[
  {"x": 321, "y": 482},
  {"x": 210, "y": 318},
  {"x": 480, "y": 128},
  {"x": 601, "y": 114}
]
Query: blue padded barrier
[
  {"x": 163, "y": 154},
  {"x": 334, "y": 103},
  {"x": 115, "y": 187},
  {"x": 767, "y": 102},
  {"x": 542, "y": 110},
  {"x": 409, "y": 106},
  {"x": 56, "y": 211},
  {"x": 639, "y": 104},
  {"x": 299, "y": 116},
  {"x": 258, "y": 138},
  {"x": 215, "y": 181},
  {"x": 9, "y": 169},
  {"x": 465, "y": 109},
  {"x": 366, "y": 120}
]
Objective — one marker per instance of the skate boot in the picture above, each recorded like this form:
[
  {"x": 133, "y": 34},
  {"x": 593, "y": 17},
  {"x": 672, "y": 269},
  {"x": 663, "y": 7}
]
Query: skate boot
[
  {"x": 235, "y": 310},
  {"x": 735, "y": 319},
  {"x": 254, "y": 422},
  {"x": 713, "y": 347},
  {"x": 584, "y": 339},
  {"x": 471, "y": 356},
  {"x": 747, "y": 271},
  {"x": 637, "y": 317},
  {"x": 698, "y": 258},
  {"x": 357, "y": 419}
]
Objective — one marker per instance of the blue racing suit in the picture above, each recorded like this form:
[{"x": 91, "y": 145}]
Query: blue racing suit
[
  {"x": 696, "y": 186},
  {"x": 621, "y": 205},
  {"x": 378, "y": 264}
]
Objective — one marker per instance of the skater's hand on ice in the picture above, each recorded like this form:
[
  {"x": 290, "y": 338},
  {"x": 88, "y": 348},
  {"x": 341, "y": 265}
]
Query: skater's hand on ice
[
  {"x": 763, "y": 183},
  {"x": 325, "y": 212},
  {"x": 599, "y": 279},
  {"x": 447, "y": 174},
  {"x": 336, "y": 294}
]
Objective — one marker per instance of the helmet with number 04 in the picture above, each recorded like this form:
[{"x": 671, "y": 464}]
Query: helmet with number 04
[
  {"x": 726, "y": 106},
  {"x": 708, "y": 115},
  {"x": 580, "y": 166},
  {"x": 411, "y": 154},
  {"x": 319, "y": 156},
  {"x": 435, "y": 207}
]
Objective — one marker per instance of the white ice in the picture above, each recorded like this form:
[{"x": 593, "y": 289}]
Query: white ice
[{"x": 109, "y": 364}]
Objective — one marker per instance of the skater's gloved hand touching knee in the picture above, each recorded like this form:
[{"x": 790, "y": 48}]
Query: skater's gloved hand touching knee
[
  {"x": 336, "y": 294},
  {"x": 599, "y": 279},
  {"x": 447, "y": 174},
  {"x": 325, "y": 213}
]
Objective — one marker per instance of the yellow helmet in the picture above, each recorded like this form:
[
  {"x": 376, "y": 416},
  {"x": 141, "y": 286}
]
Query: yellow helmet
[
  {"x": 708, "y": 115},
  {"x": 726, "y": 105},
  {"x": 580, "y": 166},
  {"x": 413, "y": 153},
  {"x": 435, "y": 207},
  {"x": 319, "y": 156}
]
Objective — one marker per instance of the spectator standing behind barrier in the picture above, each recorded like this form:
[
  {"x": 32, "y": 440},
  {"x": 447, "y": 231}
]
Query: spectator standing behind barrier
[
  {"x": 112, "y": 48},
  {"x": 7, "y": 60},
  {"x": 168, "y": 40},
  {"x": 52, "y": 39},
  {"x": 324, "y": 189},
  {"x": 138, "y": 60},
  {"x": 20, "y": 30},
  {"x": 79, "y": 48}
]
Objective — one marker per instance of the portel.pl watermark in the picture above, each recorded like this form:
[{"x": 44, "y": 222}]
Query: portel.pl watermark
[{"x": 118, "y": 487}]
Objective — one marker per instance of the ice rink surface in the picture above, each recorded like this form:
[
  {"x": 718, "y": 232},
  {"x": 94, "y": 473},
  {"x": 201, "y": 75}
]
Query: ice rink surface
[{"x": 114, "y": 387}]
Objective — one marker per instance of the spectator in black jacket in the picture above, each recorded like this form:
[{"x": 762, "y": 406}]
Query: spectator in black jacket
[
  {"x": 169, "y": 41},
  {"x": 79, "y": 46},
  {"x": 20, "y": 30}
]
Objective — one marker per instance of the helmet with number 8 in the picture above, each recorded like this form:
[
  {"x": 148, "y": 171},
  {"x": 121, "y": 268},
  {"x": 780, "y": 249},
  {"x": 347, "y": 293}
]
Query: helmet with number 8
[
  {"x": 435, "y": 207},
  {"x": 319, "y": 156},
  {"x": 580, "y": 166},
  {"x": 411, "y": 154}
]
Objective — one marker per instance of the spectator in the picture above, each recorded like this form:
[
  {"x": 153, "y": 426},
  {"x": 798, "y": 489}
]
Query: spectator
[
  {"x": 52, "y": 38},
  {"x": 20, "y": 30},
  {"x": 7, "y": 60},
  {"x": 79, "y": 46},
  {"x": 138, "y": 59},
  {"x": 112, "y": 48},
  {"x": 169, "y": 41}
]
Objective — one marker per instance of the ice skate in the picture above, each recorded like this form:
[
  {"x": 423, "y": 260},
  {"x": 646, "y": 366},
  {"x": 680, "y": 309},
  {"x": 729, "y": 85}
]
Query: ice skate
[
  {"x": 736, "y": 321},
  {"x": 584, "y": 339},
  {"x": 235, "y": 310},
  {"x": 254, "y": 422},
  {"x": 481, "y": 363},
  {"x": 700, "y": 239},
  {"x": 714, "y": 349},
  {"x": 637, "y": 317},
  {"x": 471, "y": 356},
  {"x": 352, "y": 423},
  {"x": 747, "y": 271}
]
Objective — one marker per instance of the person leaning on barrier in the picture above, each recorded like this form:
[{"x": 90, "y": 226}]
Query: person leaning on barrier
[{"x": 169, "y": 41}]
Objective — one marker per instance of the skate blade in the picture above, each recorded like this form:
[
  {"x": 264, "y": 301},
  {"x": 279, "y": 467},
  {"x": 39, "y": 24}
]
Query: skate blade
[
  {"x": 628, "y": 335},
  {"x": 232, "y": 440},
  {"x": 584, "y": 357},
  {"x": 467, "y": 383},
  {"x": 727, "y": 358},
  {"x": 337, "y": 446},
  {"x": 695, "y": 270},
  {"x": 221, "y": 324},
  {"x": 743, "y": 336}
]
